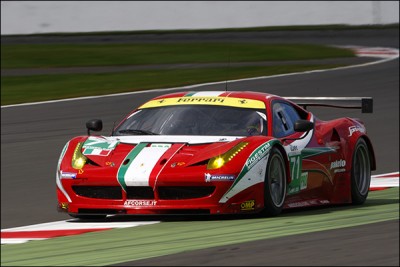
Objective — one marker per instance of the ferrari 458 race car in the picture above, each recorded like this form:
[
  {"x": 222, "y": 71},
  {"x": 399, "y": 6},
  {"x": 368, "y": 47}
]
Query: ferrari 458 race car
[{"x": 218, "y": 153}]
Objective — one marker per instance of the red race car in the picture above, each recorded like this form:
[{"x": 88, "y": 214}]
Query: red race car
[{"x": 218, "y": 153}]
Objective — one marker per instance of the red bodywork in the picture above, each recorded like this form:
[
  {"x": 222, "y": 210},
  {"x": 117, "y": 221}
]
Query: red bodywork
[{"x": 177, "y": 182}]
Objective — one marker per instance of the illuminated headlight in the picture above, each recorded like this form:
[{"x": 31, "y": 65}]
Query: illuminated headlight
[
  {"x": 78, "y": 159},
  {"x": 221, "y": 160}
]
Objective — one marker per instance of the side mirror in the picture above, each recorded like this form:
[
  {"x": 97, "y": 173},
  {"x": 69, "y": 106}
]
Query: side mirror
[
  {"x": 303, "y": 126},
  {"x": 94, "y": 125}
]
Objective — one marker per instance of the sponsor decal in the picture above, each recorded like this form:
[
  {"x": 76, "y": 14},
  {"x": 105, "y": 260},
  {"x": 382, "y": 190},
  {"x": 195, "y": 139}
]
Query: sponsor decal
[
  {"x": 68, "y": 175},
  {"x": 258, "y": 155},
  {"x": 64, "y": 205},
  {"x": 140, "y": 202},
  {"x": 298, "y": 184},
  {"x": 248, "y": 205},
  {"x": 308, "y": 203},
  {"x": 303, "y": 180},
  {"x": 161, "y": 145},
  {"x": 218, "y": 177},
  {"x": 353, "y": 129},
  {"x": 341, "y": 163},
  {"x": 109, "y": 163},
  {"x": 302, "y": 204},
  {"x": 253, "y": 171},
  {"x": 179, "y": 164},
  {"x": 201, "y": 100},
  {"x": 98, "y": 146}
]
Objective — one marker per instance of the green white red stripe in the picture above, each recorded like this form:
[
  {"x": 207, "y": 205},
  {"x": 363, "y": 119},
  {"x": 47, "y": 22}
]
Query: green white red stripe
[{"x": 127, "y": 162}]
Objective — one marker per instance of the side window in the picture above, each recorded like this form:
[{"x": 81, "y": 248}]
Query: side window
[{"x": 284, "y": 117}]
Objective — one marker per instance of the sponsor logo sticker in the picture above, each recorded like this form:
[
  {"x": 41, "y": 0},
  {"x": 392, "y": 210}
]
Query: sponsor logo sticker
[
  {"x": 218, "y": 177},
  {"x": 161, "y": 145},
  {"x": 353, "y": 129},
  {"x": 307, "y": 203},
  {"x": 68, "y": 175},
  {"x": 341, "y": 163},
  {"x": 303, "y": 180},
  {"x": 201, "y": 99},
  {"x": 139, "y": 202},
  {"x": 248, "y": 205},
  {"x": 179, "y": 164},
  {"x": 258, "y": 155}
]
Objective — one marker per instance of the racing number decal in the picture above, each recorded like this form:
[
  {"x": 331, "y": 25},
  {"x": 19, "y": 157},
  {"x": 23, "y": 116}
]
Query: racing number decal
[
  {"x": 299, "y": 179},
  {"x": 295, "y": 166}
]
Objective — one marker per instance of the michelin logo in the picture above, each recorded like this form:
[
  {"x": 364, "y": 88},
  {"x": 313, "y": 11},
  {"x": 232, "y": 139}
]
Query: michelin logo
[
  {"x": 218, "y": 177},
  {"x": 68, "y": 175}
]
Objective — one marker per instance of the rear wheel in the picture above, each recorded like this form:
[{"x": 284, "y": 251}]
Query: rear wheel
[
  {"x": 275, "y": 183},
  {"x": 360, "y": 173}
]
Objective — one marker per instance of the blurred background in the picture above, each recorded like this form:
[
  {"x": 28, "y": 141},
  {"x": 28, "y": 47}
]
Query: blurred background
[{"x": 29, "y": 17}]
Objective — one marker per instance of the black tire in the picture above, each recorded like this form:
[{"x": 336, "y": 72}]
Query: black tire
[
  {"x": 274, "y": 183},
  {"x": 88, "y": 217},
  {"x": 360, "y": 173}
]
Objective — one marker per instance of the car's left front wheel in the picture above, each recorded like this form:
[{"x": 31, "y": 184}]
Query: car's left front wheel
[{"x": 275, "y": 183}]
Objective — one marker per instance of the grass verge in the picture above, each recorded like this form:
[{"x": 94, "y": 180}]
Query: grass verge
[
  {"x": 25, "y": 89},
  {"x": 78, "y": 55}
]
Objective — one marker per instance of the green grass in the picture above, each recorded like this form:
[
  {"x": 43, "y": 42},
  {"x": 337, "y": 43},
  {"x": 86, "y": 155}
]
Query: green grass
[
  {"x": 169, "y": 237},
  {"x": 72, "y": 55},
  {"x": 46, "y": 87},
  {"x": 22, "y": 89}
]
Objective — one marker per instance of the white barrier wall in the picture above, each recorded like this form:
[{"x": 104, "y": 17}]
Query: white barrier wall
[{"x": 26, "y": 17}]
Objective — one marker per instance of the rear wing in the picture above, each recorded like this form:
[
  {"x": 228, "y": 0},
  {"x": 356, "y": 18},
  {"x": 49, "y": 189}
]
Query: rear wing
[{"x": 363, "y": 103}]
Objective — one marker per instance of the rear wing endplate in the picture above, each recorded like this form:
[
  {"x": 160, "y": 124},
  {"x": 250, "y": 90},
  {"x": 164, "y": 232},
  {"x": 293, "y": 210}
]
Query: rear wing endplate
[{"x": 363, "y": 103}]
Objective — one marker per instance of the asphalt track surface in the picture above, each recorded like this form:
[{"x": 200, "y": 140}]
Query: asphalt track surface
[{"x": 33, "y": 136}]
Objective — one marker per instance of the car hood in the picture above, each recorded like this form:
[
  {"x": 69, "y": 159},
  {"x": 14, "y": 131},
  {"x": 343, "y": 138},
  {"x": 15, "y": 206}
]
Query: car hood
[{"x": 102, "y": 150}]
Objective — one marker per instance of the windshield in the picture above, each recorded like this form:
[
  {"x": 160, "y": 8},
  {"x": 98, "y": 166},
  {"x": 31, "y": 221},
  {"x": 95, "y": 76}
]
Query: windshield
[{"x": 195, "y": 120}]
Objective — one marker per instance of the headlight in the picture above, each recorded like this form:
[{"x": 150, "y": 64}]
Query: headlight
[
  {"x": 78, "y": 159},
  {"x": 221, "y": 160}
]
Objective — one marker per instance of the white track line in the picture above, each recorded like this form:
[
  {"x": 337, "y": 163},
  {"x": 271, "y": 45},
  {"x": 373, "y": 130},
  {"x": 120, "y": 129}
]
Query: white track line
[
  {"x": 76, "y": 224},
  {"x": 72, "y": 224},
  {"x": 382, "y": 181}
]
